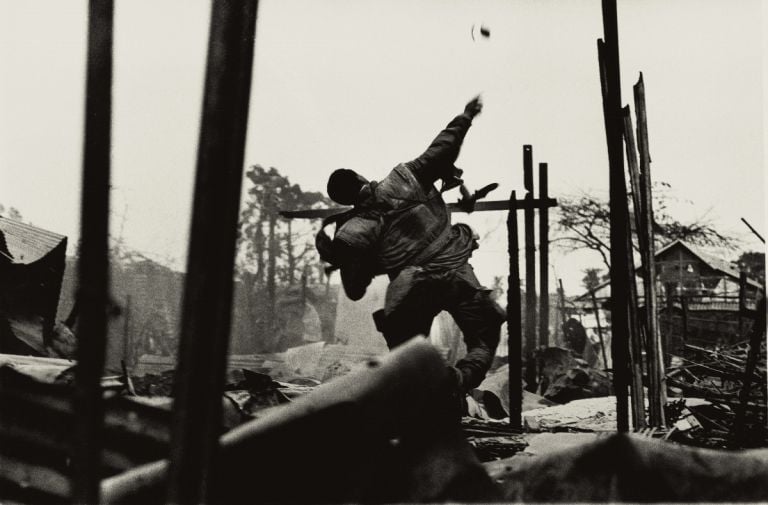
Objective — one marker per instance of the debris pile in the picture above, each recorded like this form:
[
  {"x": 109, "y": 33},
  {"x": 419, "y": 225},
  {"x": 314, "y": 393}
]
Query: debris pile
[
  {"x": 717, "y": 375},
  {"x": 37, "y": 421},
  {"x": 565, "y": 377}
]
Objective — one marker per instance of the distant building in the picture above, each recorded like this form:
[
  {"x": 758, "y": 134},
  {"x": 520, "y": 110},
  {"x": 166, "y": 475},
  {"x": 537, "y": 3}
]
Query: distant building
[
  {"x": 703, "y": 288},
  {"x": 709, "y": 282}
]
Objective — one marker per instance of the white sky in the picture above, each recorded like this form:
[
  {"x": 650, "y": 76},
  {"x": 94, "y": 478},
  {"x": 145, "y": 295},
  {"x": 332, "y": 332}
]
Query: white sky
[{"x": 366, "y": 84}]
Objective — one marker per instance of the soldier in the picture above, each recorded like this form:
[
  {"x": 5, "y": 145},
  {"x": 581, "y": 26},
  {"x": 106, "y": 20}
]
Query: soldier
[{"x": 401, "y": 227}]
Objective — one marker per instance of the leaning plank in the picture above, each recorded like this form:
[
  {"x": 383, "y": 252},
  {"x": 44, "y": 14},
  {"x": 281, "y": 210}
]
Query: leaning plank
[
  {"x": 658, "y": 395},
  {"x": 535, "y": 203}
]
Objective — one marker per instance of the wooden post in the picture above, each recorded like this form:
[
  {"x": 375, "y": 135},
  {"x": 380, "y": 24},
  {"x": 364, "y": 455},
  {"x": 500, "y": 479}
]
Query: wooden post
[
  {"x": 93, "y": 265},
  {"x": 684, "y": 307},
  {"x": 634, "y": 178},
  {"x": 530, "y": 255},
  {"x": 635, "y": 340},
  {"x": 596, "y": 308},
  {"x": 543, "y": 258},
  {"x": 196, "y": 423},
  {"x": 609, "y": 52},
  {"x": 563, "y": 317},
  {"x": 514, "y": 320},
  {"x": 127, "y": 337},
  {"x": 755, "y": 338},
  {"x": 635, "y": 348},
  {"x": 656, "y": 356},
  {"x": 481, "y": 206},
  {"x": 742, "y": 301},
  {"x": 753, "y": 230}
]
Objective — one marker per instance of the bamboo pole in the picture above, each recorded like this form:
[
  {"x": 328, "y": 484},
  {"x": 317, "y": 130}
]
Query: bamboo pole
[
  {"x": 480, "y": 206},
  {"x": 609, "y": 56},
  {"x": 635, "y": 348},
  {"x": 756, "y": 337},
  {"x": 657, "y": 356},
  {"x": 635, "y": 344},
  {"x": 514, "y": 320},
  {"x": 742, "y": 301},
  {"x": 543, "y": 257},
  {"x": 205, "y": 326},
  {"x": 127, "y": 338},
  {"x": 753, "y": 230},
  {"x": 93, "y": 265},
  {"x": 530, "y": 254},
  {"x": 596, "y": 308},
  {"x": 563, "y": 318}
]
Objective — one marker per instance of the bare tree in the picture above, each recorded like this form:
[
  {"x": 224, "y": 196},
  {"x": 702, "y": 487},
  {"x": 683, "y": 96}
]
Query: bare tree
[{"x": 584, "y": 223}]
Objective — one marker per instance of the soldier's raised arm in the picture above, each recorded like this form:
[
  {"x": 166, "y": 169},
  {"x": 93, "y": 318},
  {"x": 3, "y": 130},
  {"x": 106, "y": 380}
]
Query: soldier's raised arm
[{"x": 437, "y": 162}]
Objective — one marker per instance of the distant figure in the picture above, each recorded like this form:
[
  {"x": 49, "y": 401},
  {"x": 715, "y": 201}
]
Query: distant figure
[
  {"x": 401, "y": 227},
  {"x": 575, "y": 335}
]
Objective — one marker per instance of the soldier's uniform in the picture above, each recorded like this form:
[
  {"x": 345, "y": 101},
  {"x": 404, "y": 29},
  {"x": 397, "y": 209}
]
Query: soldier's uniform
[{"x": 403, "y": 229}]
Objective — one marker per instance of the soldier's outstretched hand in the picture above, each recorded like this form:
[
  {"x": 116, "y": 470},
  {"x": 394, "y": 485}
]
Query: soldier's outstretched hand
[{"x": 474, "y": 107}]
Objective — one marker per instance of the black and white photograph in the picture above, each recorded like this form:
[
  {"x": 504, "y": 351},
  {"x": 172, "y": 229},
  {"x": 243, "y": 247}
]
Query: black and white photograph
[{"x": 368, "y": 251}]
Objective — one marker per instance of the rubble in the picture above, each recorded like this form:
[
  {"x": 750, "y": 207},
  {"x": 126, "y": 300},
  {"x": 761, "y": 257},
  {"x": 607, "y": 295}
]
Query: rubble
[
  {"x": 37, "y": 421},
  {"x": 383, "y": 433},
  {"x": 623, "y": 468},
  {"x": 565, "y": 377},
  {"x": 717, "y": 375}
]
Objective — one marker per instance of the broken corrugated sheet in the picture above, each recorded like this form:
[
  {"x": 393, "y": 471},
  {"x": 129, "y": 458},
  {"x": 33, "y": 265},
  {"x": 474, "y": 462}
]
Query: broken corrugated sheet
[
  {"x": 31, "y": 271},
  {"x": 37, "y": 422}
]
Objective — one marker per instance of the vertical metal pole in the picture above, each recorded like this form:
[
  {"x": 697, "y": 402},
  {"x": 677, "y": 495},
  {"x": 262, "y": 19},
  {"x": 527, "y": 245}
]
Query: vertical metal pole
[
  {"x": 543, "y": 257},
  {"x": 205, "y": 326},
  {"x": 514, "y": 319},
  {"x": 618, "y": 210},
  {"x": 93, "y": 265},
  {"x": 530, "y": 254},
  {"x": 656, "y": 357}
]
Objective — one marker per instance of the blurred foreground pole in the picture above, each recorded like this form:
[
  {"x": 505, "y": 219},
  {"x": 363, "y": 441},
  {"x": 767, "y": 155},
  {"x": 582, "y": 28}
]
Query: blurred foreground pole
[
  {"x": 618, "y": 209},
  {"x": 514, "y": 320},
  {"x": 93, "y": 265},
  {"x": 205, "y": 323},
  {"x": 657, "y": 393}
]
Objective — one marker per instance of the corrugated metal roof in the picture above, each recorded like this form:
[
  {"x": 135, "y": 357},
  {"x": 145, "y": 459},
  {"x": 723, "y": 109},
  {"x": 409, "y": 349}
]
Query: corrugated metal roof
[{"x": 27, "y": 243}]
